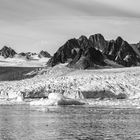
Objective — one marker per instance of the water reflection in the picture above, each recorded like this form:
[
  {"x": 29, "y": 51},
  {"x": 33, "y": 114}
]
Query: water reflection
[
  {"x": 14, "y": 122},
  {"x": 75, "y": 122}
]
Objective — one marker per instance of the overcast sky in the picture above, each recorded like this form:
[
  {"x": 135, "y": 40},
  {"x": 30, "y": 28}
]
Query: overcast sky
[{"x": 33, "y": 25}]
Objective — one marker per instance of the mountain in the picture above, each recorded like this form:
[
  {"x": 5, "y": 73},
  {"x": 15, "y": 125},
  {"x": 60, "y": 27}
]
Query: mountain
[
  {"x": 19, "y": 58},
  {"x": 27, "y": 55},
  {"x": 121, "y": 52},
  {"x": 7, "y": 52},
  {"x": 87, "y": 55},
  {"x": 65, "y": 53},
  {"x": 83, "y": 53},
  {"x": 22, "y": 54},
  {"x": 44, "y": 54}
]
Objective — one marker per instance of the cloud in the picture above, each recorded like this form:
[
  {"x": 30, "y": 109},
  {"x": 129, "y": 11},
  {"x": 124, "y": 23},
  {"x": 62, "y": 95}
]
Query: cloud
[
  {"x": 130, "y": 7},
  {"x": 47, "y": 24},
  {"x": 23, "y": 10}
]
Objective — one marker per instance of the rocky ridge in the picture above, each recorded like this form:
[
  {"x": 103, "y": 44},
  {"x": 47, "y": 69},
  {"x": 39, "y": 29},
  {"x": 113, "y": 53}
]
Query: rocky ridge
[
  {"x": 7, "y": 52},
  {"x": 44, "y": 54},
  {"x": 83, "y": 53}
]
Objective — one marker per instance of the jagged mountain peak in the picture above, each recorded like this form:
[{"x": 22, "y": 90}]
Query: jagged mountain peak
[
  {"x": 94, "y": 50},
  {"x": 96, "y": 37},
  {"x": 82, "y": 37},
  {"x": 72, "y": 43},
  {"x": 44, "y": 54},
  {"x": 7, "y": 52},
  {"x": 6, "y": 48},
  {"x": 119, "y": 40}
]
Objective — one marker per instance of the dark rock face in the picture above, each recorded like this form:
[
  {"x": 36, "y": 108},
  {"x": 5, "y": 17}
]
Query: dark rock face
[
  {"x": 80, "y": 53},
  {"x": 44, "y": 54},
  {"x": 121, "y": 52},
  {"x": 85, "y": 53},
  {"x": 126, "y": 55},
  {"x": 22, "y": 54},
  {"x": 27, "y": 55},
  {"x": 98, "y": 42},
  {"x": 87, "y": 59},
  {"x": 65, "y": 53},
  {"x": 136, "y": 48},
  {"x": 7, "y": 52},
  {"x": 137, "y": 45},
  {"x": 84, "y": 42}
]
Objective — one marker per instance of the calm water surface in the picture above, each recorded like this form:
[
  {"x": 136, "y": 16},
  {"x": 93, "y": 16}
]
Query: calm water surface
[{"x": 21, "y": 122}]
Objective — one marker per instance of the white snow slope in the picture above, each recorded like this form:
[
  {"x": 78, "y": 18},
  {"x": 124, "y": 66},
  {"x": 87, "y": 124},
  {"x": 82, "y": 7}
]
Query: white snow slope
[{"x": 120, "y": 86}]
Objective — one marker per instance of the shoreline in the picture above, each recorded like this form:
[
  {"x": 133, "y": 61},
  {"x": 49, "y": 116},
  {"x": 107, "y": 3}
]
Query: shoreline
[{"x": 88, "y": 103}]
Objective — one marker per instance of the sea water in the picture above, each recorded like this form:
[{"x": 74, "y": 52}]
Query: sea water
[{"x": 23, "y": 122}]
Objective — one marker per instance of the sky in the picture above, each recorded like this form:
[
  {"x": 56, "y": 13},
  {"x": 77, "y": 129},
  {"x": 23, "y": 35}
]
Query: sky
[{"x": 35, "y": 25}]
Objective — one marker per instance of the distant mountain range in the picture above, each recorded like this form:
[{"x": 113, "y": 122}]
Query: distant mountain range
[
  {"x": 85, "y": 53},
  {"x": 8, "y": 52},
  {"x": 95, "y": 51}
]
